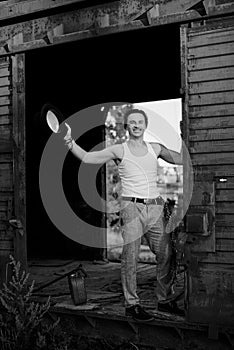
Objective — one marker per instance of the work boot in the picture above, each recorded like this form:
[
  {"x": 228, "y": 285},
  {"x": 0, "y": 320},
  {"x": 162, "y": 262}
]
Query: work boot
[{"x": 138, "y": 313}]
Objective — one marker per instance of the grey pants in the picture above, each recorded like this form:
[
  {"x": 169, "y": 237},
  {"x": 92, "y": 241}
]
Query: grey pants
[{"x": 140, "y": 219}]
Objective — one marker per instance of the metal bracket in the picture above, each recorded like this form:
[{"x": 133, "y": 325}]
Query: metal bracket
[{"x": 16, "y": 224}]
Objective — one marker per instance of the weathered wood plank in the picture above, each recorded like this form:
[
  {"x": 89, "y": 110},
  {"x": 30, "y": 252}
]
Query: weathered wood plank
[
  {"x": 224, "y": 195},
  {"x": 225, "y": 207},
  {"x": 211, "y": 134},
  {"x": 5, "y": 119},
  {"x": 6, "y": 175},
  {"x": 5, "y": 132},
  {"x": 6, "y": 245},
  {"x": 212, "y": 158},
  {"x": 4, "y": 110},
  {"x": 19, "y": 170},
  {"x": 195, "y": 64},
  {"x": 211, "y": 98},
  {"x": 225, "y": 245},
  {"x": 219, "y": 258},
  {"x": 211, "y": 38},
  {"x": 5, "y": 158},
  {"x": 210, "y": 149},
  {"x": 211, "y": 74},
  {"x": 225, "y": 185},
  {"x": 19, "y": 8},
  {"x": 6, "y": 146},
  {"x": 6, "y": 234},
  {"x": 5, "y": 91},
  {"x": 4, "y": 71},
  {"x": 214, "y": 86},
  {"x": 220, "y": 170},
  {"x": 5, "y": 100},
  {"x": 224, "y": 220},
  {"x": 212, "y": 146},
  {"x": 4, "y": 81},
  {"x": 225, "y": 233},
  {"x": 212, "y": 122},
  {"x": 212, "y": 50},
  {"x": 211, "y": 111},
  {"x": 206, "y": 30}
]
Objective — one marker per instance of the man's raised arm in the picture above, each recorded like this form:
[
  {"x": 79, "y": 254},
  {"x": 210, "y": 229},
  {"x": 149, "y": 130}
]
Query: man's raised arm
[
  {"x": 96, "y": 157},
  {"x": 170, "y": 156}
]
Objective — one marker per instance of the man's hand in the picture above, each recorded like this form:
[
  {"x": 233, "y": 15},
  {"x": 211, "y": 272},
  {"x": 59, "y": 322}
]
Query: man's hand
[{"x": 68, "y": 137}]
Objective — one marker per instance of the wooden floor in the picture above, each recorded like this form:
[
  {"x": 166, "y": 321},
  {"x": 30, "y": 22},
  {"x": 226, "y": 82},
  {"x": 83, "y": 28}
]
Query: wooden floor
[
  {"x": 103, "y": 315},
  {"x": 103, "y": 285}
]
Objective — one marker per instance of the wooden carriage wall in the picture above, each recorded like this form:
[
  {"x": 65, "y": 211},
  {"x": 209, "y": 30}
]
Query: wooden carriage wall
[{"x": 207, "y": 91}]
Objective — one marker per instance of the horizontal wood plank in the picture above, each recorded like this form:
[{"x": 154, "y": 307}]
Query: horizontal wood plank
[
  {"x": 4, "y": 81},
  {"x": 225, "y": 233},
  {"x": 5, "y": 132},
  {"x": 211, "y": 111},
  {"x": 5, "y": 119},
  {"x": 212, "y": 158},
  {"x": 6, "y": 175},
  {"x": 205, "y": 63},
  {"x": 7, "y": 245},
  {"x": 211, "y": 86},
  {"x": 212, "y": 122},
  {"x": 211, "y": 134},
  {"x": 217, "y": 171},
  {"x": 211, "y": 74},
  {"x": 6, "y": 146},
  {"x": 224, "y": 195},
  {"x": 225, "y": 245},
  {"x": 211, "y": 38},
  {"x": 218, "y": 258},
  {"x": 225, "y": 207},
  {"x": 5, "y": 100},
  {"x": 4, "y": 71},
  {"x": 5, "y": 91},
  {"x": 225, "y": 185},
  {"x": 5, "y": 110},
  {"x": 226, "y": 220},
  {"x": 212, "y": 50},
  {"x": 193, "y": 32},
  {"x": 211, "y": 98},
  {"x": 5, "y": 233},
  {"x": 5, "y": 158},
  {"x": 212, "y": 146}
]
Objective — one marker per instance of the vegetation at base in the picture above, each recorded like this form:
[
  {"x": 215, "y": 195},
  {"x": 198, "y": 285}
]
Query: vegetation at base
[{"x": 28, "y": 325}]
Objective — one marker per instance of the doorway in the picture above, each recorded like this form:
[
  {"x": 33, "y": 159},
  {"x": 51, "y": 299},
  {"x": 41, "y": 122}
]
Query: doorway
[{"x": 142, "y": 65}]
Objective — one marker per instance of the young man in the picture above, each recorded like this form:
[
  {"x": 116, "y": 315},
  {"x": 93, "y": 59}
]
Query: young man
[{"x": 142, "y": 208}]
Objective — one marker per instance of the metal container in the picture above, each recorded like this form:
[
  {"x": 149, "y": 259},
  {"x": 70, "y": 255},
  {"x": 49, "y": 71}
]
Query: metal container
[{"x": 77, "y": 286}]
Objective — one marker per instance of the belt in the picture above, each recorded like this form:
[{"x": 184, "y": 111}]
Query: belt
[{"x": 158, "y": 200}]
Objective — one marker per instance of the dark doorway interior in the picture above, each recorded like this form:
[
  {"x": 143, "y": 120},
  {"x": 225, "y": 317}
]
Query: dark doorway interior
[{"x": 142, "y": 65}]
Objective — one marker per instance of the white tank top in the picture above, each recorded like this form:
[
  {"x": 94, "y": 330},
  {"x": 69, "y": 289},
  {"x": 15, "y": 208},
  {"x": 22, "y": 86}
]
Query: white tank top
[{"x": 139, "y": 174}]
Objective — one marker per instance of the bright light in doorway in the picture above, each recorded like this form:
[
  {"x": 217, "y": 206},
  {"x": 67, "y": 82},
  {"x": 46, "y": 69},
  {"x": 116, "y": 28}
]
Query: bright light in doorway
[{"x": 171, "y": 112}]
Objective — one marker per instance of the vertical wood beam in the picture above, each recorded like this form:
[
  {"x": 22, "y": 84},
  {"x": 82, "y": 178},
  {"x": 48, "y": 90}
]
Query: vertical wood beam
[{"x": 18, "y": 85}]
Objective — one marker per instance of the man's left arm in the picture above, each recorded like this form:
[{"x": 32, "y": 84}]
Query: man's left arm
[{"x": 170, "y": 156}]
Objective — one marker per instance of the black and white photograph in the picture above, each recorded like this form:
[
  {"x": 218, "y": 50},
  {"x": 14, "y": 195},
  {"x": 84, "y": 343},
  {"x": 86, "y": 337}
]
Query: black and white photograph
[{"x": 117, "y": 175}]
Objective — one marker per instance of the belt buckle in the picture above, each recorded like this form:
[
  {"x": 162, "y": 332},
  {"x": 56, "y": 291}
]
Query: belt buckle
[{"x": 146, "y": 201}]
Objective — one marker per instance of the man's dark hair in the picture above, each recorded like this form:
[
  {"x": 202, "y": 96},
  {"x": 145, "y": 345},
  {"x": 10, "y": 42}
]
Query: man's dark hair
[{"x": 133, "y": 111}]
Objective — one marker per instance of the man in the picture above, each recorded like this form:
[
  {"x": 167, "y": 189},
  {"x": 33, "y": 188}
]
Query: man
[{"x": 142, "y": 208}]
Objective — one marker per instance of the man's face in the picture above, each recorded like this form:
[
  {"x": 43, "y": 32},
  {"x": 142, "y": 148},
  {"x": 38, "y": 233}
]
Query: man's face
[{"x": 136, "y": 124}]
